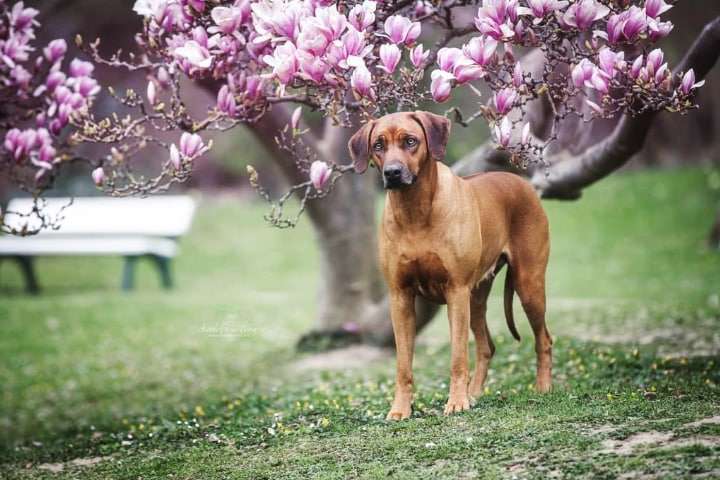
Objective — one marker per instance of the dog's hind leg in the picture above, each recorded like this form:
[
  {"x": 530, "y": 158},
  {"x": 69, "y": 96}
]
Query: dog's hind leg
[
  {"x": 484, "y": 348},
  {"x": 530, "y": 286}
]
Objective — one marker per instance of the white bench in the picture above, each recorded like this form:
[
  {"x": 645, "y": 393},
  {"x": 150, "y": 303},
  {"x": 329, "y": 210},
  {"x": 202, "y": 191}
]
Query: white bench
[{"x": 129, "y": 227}]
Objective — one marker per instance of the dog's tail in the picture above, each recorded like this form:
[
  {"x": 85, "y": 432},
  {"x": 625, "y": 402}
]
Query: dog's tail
[{"x": 509, "y": 290}]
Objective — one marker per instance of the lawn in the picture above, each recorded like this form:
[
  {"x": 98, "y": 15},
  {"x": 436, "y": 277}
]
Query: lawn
[{"x": 204, "y": 382}]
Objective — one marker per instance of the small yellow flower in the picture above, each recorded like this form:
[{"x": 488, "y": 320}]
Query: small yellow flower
[{"x": 199, "y": 411}]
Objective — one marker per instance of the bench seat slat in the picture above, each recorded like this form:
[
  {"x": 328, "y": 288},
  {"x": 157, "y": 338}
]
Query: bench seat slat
[
  {"x": 96, "y": 245},
  {"x": 163, "y": 215}
]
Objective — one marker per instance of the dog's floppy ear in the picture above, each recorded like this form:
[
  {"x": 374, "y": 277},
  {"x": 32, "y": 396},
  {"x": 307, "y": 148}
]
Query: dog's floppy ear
[
  {"x": 437, "y": 132},
  {"x": 358, "y": 146}
]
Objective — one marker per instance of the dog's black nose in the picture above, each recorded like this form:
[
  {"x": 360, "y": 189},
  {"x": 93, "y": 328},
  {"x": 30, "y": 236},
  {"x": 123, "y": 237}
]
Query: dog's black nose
[{"x": 392, "y": 172}]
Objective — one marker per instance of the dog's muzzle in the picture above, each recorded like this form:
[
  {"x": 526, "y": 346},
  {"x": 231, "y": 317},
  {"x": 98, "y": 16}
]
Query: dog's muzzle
[{"x": 397, "y": 175}]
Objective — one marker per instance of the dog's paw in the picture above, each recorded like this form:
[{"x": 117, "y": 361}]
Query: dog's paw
[
  {"x": 457, "y": 404},
  {"x": 399, "y": 413},
  {"x": 475, "y": 389}
]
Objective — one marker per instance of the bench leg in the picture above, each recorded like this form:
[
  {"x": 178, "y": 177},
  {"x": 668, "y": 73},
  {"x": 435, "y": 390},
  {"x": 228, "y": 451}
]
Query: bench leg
[
  {"x": 128, "y": 279},
  {"x": 28, "y": 270},
  {"x": 163, "y": 266}
]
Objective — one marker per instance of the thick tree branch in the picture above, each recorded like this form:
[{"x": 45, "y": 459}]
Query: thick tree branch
[{"x": 568, "y": 174}]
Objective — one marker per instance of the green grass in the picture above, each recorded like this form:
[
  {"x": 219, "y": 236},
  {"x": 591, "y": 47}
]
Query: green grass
[{"x": 141, "y": 381}]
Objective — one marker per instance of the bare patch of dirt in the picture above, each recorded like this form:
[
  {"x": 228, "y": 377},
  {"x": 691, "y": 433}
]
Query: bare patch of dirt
[
  {"x": 602, "y": 430},
  {"x": 703, "y": 440},
  {"x": 654, "y": 439},
  {"x": 715, "y": 420},
  {"x": 673, "y": 342},
  {"x": 78, "y": 462},
  {"x": 356, "y": 356},
  {"x": 626, "y": 446}
]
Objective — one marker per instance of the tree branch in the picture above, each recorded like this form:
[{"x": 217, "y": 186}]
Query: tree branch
[{"x": 568, "y": 174}]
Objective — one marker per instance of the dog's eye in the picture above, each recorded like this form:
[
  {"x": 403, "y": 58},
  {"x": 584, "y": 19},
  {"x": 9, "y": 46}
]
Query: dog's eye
[
  {"x": 378, "y": 146},
  {"x": 411, "y": 141}
]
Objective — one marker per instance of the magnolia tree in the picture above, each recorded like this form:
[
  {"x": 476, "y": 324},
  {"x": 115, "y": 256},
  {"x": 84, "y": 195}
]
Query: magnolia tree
[{"x": 527, "y": 66}]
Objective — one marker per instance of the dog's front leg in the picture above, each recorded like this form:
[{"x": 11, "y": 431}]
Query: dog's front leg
[
  {"x": 458, "y": 301},
  {"x": 402, "y": 312}
]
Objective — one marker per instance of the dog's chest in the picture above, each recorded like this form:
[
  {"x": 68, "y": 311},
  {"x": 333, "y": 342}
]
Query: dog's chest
[{"x": 425, "y": 273}]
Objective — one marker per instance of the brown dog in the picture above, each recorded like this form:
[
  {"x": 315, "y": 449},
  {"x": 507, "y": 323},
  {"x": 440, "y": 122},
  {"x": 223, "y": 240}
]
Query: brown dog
[{"x": 445, "y": 238}]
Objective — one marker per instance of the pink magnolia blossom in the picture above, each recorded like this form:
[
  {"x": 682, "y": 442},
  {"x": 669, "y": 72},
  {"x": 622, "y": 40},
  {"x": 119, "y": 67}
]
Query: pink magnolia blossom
[
  {"x": 23, "y": 18},
  {"x": 98, "y": 176},
  {"x": 331, "y": 22},
  {"x": 55, "y": 50},
  {"x": 361, "y": 78},
  {"x": 79, "y": 68},
  {"x": 655, "y": 8},
  {"x": 295, "y": 118},
  {"x": 504, "y": 100},
  {"x": 582, "y": 73},
  {"x": 149, "y": 8},
  {"x": 312, "y": 38},
  {"x": 503, "y": 132},
  {"x": 688, "y": 82},
  {"x": 313, "y": 68},
  {"x": 277, "y": 19},
  {"x": 320, "y": 174},
  {"x": 540, "y": 8},
  {"x": 600, "y": 81},
  {"x": 284, "y": 62},
  {"x": 627, "y": 25},
  {"x": 352, "y": 43},
  {"x": 402, "y": 30},
  {"x": 499, "y": 19},
  {"x": 659, "y": 30},
  {"x": 481, "y": 50},
  {"x": 584, "y": 13},
  {"x": 441, "y": 85},
  {"x": 418, "y": 56},
  {"x": 466, "y": 71},
  {"x": 389, "y": 57},
  {"x": 637, "y": 67},
  {"x": 192, "y": 145},
  {"x": 525, "y": 135},
  {"x": 228, "y": 19},
  {"x": 610, "y": 62},
  {"x": 518, "y": 78},
  {"x": 448, "y": 58},
  {"x": 152, "y": 92},
  {"x": 662, "y": 73},
  {"x": 196, "y": 56},
  {"x": 175, "y": 159},
  {"x": 363, "y": 15},
  {"x": 654, "y": 61},
  {"x": 226, "y": 101}
]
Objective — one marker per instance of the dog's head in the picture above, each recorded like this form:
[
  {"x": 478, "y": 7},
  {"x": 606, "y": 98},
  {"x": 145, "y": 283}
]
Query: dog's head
[{"x": 400, "y": 145}]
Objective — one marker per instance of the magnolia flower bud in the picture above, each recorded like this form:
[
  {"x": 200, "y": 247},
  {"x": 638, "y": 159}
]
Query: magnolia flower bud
[
  {"x": 418, "y": 56},
  {"x": 390, "y": 57},
  {"x": 152, "y": 93},
  {"x": 401, "y": 30},
  {"x": 175, "y": 159},
  {"x": 295, "y": 119},
  {"x": 688, "y": 82},
  {"x": 441, "y": 85},
  {"x": 504, "y": 100},
  {"x": 98, "y": 176},
  {"x": 319, "y": 174}
]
